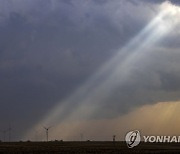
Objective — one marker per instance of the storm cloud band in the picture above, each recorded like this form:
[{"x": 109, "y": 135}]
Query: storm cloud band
[{"x": 49, "y": 48}]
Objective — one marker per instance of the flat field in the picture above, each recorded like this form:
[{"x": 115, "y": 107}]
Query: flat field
[{"x": 86, "y": 147}]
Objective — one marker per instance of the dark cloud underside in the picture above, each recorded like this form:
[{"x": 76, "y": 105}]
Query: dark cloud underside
[{"x": 48, "y": 48}]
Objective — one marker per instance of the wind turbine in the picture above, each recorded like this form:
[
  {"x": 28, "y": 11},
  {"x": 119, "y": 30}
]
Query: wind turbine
[
  {"x": 9, "y": 131},
  {"x": 47, "y": 132},
  {"x": 82, "y": 136},
  {"x": 114, "y": 138},
  {"x": 4, "y": 134}
]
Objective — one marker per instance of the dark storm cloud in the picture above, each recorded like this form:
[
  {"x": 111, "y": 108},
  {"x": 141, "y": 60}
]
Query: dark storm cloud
[
  {"x": 157, "y": 80},
  {"x": 161, "y": 1},
  {"x": 48, "y": 48}
]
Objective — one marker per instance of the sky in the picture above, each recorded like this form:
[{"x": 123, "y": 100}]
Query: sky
[{"x": 91, "y": 67}]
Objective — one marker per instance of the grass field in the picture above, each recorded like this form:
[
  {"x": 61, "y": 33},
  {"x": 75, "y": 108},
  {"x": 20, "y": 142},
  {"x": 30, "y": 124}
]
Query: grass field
[{"x": 88, "y": 147}]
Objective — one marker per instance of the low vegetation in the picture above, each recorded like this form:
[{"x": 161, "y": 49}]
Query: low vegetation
[{"x": 86, "y": 147}]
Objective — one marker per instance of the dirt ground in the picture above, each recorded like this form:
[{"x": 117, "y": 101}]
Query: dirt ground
[{"x": 86, "y": 147}]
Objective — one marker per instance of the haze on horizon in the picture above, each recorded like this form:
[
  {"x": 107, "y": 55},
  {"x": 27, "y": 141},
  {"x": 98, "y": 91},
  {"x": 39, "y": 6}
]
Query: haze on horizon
[{"x": 94, "y": 67}]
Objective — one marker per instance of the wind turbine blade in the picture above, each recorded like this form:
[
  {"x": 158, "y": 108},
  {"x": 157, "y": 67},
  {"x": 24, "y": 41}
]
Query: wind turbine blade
[{"x": 44, "y": 127}]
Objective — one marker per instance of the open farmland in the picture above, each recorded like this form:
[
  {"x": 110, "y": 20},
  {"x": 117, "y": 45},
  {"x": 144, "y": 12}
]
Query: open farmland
[{"x": 89, "y": 147}]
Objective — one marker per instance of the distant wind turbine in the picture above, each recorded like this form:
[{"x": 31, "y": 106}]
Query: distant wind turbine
[
  {"x": 9, "y": 131},
  {"x": 82, "y": 136},
  {"x": 114, "y": 138},
  {"x": 47, "y": 132},
  {"x": 4, "y": 134}
]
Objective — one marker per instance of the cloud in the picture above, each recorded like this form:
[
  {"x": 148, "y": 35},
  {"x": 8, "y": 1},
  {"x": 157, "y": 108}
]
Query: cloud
[
  {"x": 156, "y": 119},
  {"x": 48, "y": 49},
  {"x": 51, "y": 48},
  {"x": 161, "y": 1}
]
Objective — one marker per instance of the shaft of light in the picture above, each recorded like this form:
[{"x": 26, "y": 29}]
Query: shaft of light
[{"x": 89, "y": 98}]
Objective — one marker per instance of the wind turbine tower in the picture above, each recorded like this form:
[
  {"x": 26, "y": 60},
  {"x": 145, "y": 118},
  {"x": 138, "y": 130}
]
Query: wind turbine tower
[
  {"x": 4, "y": 134},
  {"x": 47, "y": 132},
  {"x": 114, "y": 138},
  {"x": 9, "y": 131}
]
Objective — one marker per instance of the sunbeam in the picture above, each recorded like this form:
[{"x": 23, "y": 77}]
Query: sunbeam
[{"x": 91, "y": 96}]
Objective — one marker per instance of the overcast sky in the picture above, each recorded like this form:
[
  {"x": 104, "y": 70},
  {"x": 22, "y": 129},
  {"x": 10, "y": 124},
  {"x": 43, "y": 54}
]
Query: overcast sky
[{"x": 59, "y": 57}]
